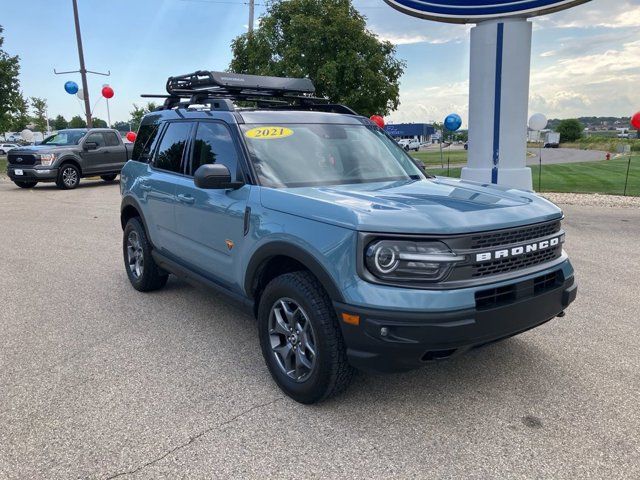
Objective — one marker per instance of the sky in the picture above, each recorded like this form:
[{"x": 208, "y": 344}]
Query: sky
[{"x": 585, "y": 61}]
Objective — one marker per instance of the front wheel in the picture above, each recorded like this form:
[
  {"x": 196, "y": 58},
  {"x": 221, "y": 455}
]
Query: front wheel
[
  {"x": 23, "y": 184},
  {"x": 109, "y": 178},
  {"x": 2, "y": 152},
  {"x": 301, "y": 340},
  {"x": 142, "y": 270},
  {"x": 68, "y": 177}
]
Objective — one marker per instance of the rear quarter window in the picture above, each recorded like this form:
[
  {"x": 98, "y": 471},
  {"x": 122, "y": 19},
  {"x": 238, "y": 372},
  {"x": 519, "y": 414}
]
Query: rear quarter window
[{"x": 145, "y": 142}]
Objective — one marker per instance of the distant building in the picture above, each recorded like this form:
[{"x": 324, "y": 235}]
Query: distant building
[{"x": 421, "y": 131}]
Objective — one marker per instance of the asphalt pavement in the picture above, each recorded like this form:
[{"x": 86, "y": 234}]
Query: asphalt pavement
[
  {"x": 100, "y": 381},
  {"x": 552, "y": 156}
]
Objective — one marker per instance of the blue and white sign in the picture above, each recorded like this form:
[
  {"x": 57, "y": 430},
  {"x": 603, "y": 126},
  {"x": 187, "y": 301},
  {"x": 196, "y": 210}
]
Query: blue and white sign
[{"x": 473, "y": 11}]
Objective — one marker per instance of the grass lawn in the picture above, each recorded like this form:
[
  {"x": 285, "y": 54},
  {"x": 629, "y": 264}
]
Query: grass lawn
[
  {"x": 433, "y": 158},
  {"x": 589, "y": 177}
]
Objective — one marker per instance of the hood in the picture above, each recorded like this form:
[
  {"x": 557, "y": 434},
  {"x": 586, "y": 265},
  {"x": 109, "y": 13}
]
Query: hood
[
  {"x": 434, "y": 206},
  {"x": 39, "y": 148}
]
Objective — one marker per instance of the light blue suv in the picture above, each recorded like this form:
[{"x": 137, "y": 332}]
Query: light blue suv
[{"x": 314, "y": 220}]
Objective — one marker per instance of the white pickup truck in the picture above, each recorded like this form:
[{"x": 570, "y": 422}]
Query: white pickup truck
[{"x": 409, "y": 144}]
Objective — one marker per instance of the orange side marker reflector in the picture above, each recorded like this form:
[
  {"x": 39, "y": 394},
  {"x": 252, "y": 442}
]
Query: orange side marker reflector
[{"x": 351, "y": 319}]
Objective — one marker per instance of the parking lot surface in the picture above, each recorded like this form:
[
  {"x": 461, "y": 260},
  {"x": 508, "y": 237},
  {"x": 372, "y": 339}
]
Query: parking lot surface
[{"x": 100, "y": 381}]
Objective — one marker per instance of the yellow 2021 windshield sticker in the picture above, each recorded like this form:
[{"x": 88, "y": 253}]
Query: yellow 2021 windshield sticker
[{"x": 269, "y": 132}]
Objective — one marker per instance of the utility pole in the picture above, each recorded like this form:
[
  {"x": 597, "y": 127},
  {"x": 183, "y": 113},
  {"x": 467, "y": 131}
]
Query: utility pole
[
  {"x": 251, "y": 7},
  {"x": 83, "y": 71}
]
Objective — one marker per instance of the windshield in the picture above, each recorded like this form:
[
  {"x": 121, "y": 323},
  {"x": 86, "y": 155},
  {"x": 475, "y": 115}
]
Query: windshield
[
  {"x": 299, "y": 155},
  {"x": 68, "y": 137}
]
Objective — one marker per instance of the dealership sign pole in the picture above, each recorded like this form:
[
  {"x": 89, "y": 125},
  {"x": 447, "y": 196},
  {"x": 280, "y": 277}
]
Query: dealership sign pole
[{"x": 498, "y": 79}]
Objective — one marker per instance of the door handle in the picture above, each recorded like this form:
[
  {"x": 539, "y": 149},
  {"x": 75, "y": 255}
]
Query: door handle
[
  {"x": 186, "y": 198},
  {"x": 145, "y": 186}
]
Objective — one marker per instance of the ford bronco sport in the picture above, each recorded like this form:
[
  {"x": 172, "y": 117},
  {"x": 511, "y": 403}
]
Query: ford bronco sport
[{"x": 314, "y": 220}]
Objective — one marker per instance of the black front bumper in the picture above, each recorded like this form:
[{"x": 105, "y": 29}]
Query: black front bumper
[
  {"x": 30, "y": 174},
  {"x": 387, "y": 341}
]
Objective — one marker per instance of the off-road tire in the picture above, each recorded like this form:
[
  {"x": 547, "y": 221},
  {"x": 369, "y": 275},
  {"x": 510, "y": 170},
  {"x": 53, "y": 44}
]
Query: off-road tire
[
  {"x": 332, "y": 373},
  {"x": 63, "y": 171},
  {"x": 152, "y": 277},
  {"x": 25, "y": 184},
  {"x": 109, "y": 178}
]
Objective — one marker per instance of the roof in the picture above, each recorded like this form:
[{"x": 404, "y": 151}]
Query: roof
[{"x": 254, "y": 116}]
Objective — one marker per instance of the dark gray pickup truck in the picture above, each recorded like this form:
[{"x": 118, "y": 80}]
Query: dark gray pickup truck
[{"x": 69, "y": 155}]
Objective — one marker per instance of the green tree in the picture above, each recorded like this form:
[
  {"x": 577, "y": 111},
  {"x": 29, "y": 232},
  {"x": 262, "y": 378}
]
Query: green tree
[
  {"x": 60, "y": 123},
  {"x": 77, "y": 122},
  {"x": 99, "y": 123},
  {"x": 13, "y": 106},
  {"x": 570, "y": 130},
  {"x": 138, "y": 112},
  {"x": 327, "y": 41},
  {"x": 20, "y": 115},
  {"x": 121, "y": 126},
  {"x": 39, "y": 106}
]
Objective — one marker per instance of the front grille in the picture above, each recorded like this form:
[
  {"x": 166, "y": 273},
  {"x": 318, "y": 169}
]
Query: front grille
[
  {"x": 547, "y": 282},
  {"x": 514, "y": 235},
  {"x": 27, "y": 159},
  {"x": 496, "y": 297},
  {"x": 505, "y": 265}
]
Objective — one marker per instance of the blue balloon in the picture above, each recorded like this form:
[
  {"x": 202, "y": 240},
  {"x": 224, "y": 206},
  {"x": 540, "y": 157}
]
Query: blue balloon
[
  {"x": 71, "y": 87},
  {"x": 453, "y": 122}
]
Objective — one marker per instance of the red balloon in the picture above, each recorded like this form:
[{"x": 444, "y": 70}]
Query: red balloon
[
  {"x": 131, "y": 136},
  {"x": 378, "y": 120},
  {"x": 635, "y": 121},
  {"x": 107, "y": 92}
]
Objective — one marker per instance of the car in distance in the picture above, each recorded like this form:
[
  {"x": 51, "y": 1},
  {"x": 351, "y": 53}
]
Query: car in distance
[
  {"x": 67, "y": 156},
  {"x": 409, "y": 144},
  {"x": 314, "y": 220},
  {"x": 552, "y": 140},
  {"x": 7, "y": 147}
]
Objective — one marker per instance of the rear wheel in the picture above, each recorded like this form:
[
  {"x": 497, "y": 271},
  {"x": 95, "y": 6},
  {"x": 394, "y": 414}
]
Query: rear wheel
[
  {"x": 68, "y": 177},
  {"x": 301, "y": 340},
  {"x": 142, "y": 270},
  {"x": 109, "y": 178},
  {"x": 25, "y": 184}
]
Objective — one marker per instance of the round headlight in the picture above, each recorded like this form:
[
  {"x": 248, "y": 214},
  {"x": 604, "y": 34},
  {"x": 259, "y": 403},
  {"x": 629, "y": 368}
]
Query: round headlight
[
  {"x": 385, "y": 258},
  {"x": 407, "y": 260}
]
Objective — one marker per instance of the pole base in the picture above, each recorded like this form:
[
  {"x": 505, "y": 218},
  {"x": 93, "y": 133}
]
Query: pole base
[{"x": 512, "y": 177}]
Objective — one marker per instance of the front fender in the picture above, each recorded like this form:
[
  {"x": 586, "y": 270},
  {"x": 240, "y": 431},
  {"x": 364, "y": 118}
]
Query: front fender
[{"x": 280, "y": 247}]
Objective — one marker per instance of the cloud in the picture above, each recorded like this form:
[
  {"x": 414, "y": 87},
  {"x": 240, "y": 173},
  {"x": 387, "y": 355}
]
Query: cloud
[
  {"x": 589, "y": 65},
  {"x": 597, "y": 14},
  {"x": 592, "y": 84},
  {"x": 432, "y": 103},
  {"x": 407, "y": 39}
]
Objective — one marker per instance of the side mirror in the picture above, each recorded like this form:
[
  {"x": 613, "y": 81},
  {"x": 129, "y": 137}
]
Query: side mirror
[
  {"x": 90, "y": 146},
  {"x": 214, "y": 176}
]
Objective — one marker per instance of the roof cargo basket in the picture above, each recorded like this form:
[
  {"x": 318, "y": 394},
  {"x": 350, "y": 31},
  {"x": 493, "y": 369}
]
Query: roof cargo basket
[
  {"x": 219, "y": 89},
  {"x": 235, "y": 82}
]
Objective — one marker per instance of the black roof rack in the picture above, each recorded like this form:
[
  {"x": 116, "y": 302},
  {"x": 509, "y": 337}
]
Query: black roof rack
[{"x": 219, "y": 89}]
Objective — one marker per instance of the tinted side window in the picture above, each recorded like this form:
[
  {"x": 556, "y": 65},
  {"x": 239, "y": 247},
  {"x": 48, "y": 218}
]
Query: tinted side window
[
  {"x": 169, "y": 155},
  {"x": 111, "y": 139},
  {"x": 214, "y": 145},
  {"x": 145, "y": 142},
  {"x": 96, "y": 138}
]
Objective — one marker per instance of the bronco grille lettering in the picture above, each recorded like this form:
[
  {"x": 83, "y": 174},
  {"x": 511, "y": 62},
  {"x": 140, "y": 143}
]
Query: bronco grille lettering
[{"x": 519, "y": 250}]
